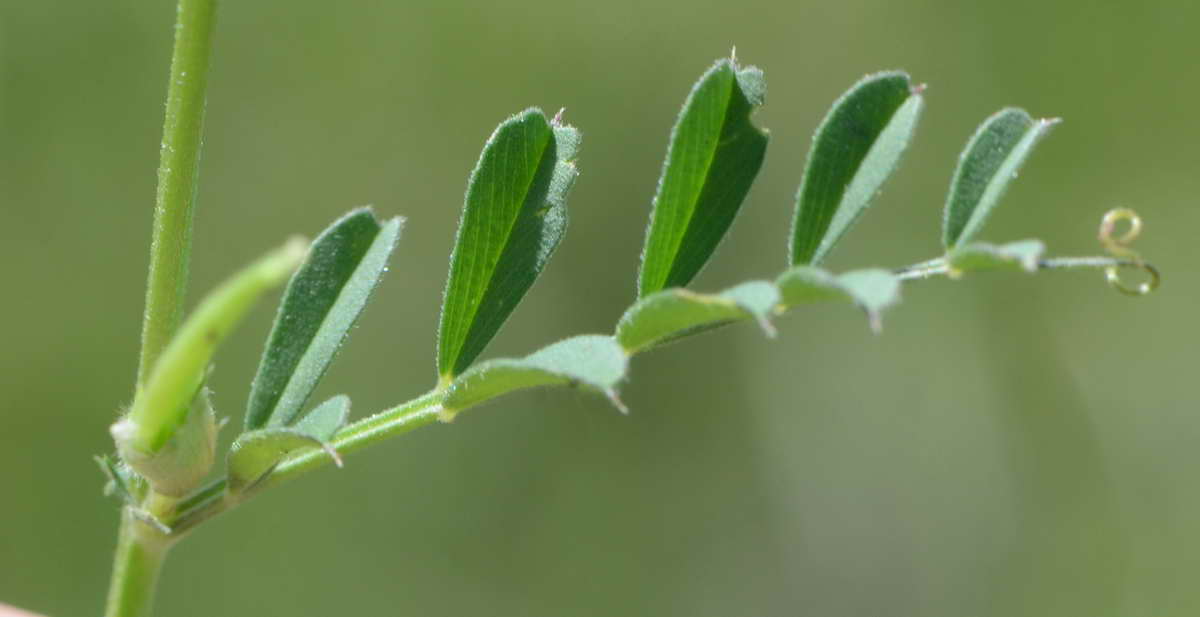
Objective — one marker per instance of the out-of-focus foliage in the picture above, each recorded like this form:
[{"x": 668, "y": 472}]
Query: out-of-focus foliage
[
  {"x": 990, "y": 162},
  {"x": 1010, "y": 445}
]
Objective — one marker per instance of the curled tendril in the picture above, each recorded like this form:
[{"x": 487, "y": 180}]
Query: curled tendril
[{"x": 1118, "y": 247}]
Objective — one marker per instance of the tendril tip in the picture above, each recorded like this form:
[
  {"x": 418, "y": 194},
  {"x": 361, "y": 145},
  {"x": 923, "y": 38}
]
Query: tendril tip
[{"x": 1118, "y": 247}]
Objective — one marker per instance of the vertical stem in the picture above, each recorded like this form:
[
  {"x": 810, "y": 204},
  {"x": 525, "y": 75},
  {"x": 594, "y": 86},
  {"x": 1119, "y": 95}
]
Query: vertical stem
[
  {"x": 136, "y": 566},
  {"x": 140, "y": 547},
  {"x": 177, "y": 174}
]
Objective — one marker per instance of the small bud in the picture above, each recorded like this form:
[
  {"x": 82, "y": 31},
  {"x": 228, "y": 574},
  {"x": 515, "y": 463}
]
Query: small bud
[{"x": 182, "y": 463}]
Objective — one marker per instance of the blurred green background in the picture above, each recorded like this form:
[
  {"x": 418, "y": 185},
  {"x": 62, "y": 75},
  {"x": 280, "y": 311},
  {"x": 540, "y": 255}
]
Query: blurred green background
[{"x": 1011, "y": 445}]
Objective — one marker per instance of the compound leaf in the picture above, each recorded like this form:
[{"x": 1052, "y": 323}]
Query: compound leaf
[
  {"x": 514, "y": 217},
  {"x": 854, "y": 150},
  {"x": 714, "y": 154},
  {"x": 594, "y": 361},
  {"x": 323, "y": 300},
  {"x": 986, "y": 166}
]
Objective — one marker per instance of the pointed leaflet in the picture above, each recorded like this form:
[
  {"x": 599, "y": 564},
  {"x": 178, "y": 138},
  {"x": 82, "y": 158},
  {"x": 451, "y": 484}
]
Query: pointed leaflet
[
  {"x": 514, "y": 217},
  {"x": 322, "y": 302},
  {"x": 1022, "y": 255},
  {"x": 986, "y": 166},
  {"x": 854, "y": 150},
  {"x": 872, "y": 290},
  {"x": 714, "y": 154},
  {"x": 162, "y": 405},
  {"x": 324, "y": 421},
  {"x": 257, "y": 452},
  {"x": 594, "y": 361},
  {"x": 674, "y": 313}
]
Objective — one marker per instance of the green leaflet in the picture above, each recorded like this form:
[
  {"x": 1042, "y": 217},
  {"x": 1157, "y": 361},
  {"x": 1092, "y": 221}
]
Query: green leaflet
[
  {"x": 1022, "y": 255},
  {"x": 325, "y": 420},
  {"x": 986, "y": 166},
  {"x": 854, "y": 150},
  {"x": 323, "y": 300},
  {"x": 162, "y": 405},
  {"x": 714, "y": 154},
  {"x": 594, "y": 361},
  {"x": 514, "y": 217},
  {"x": 256, "y": 453},
  {"x": 872, "y": 290},
  {"x": 673, "y": 313}
]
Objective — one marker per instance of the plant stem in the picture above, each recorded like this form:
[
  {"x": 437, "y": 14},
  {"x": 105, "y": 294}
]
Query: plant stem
[
  {"x": 141, "y": 548},
  {"x": 136, "y": 566},
  {"x": 923, "y": 270},
  {"x": 939, "y": 266},
  {"x": 178, "y": 170},
  {"x": 213, "y": 499},
  {"x": 416, "y": 413},
  {"x": 1053, "y": 263}
]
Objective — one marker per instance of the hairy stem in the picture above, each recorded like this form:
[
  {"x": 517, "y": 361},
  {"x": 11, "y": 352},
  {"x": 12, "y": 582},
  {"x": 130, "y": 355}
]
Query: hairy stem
[
  {"x": 141, "y": 548},
  {"x": 213, "y": 499},
  {"x": 939, "y": 266},
  {"x": 416, "y": 413},
  {"x": 136, "y": 566},
  {"x": 178, "y": 169}
]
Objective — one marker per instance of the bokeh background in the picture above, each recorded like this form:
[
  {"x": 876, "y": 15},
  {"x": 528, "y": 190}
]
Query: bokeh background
[{"x": 1011, "y": 444}]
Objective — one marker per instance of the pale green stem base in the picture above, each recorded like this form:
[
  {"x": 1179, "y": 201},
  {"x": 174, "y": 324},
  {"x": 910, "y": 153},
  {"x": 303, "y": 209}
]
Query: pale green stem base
[{"x": 137, "y": 564}]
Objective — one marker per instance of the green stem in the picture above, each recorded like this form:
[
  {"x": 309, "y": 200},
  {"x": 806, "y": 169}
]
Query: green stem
[
  {"x": 423, "y": 410},
  {"x": 414, "y": 414},
  {"x": 1053, "y": 263},
  {"x": 136, "y": 566},
  {"x": 939, "y": 266},
  {"x": 140, "y": 547},
  {"x": 213, "y": 499},
  {"x": 923, "y": 270},
  {"x": 178, "y": 170}
]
